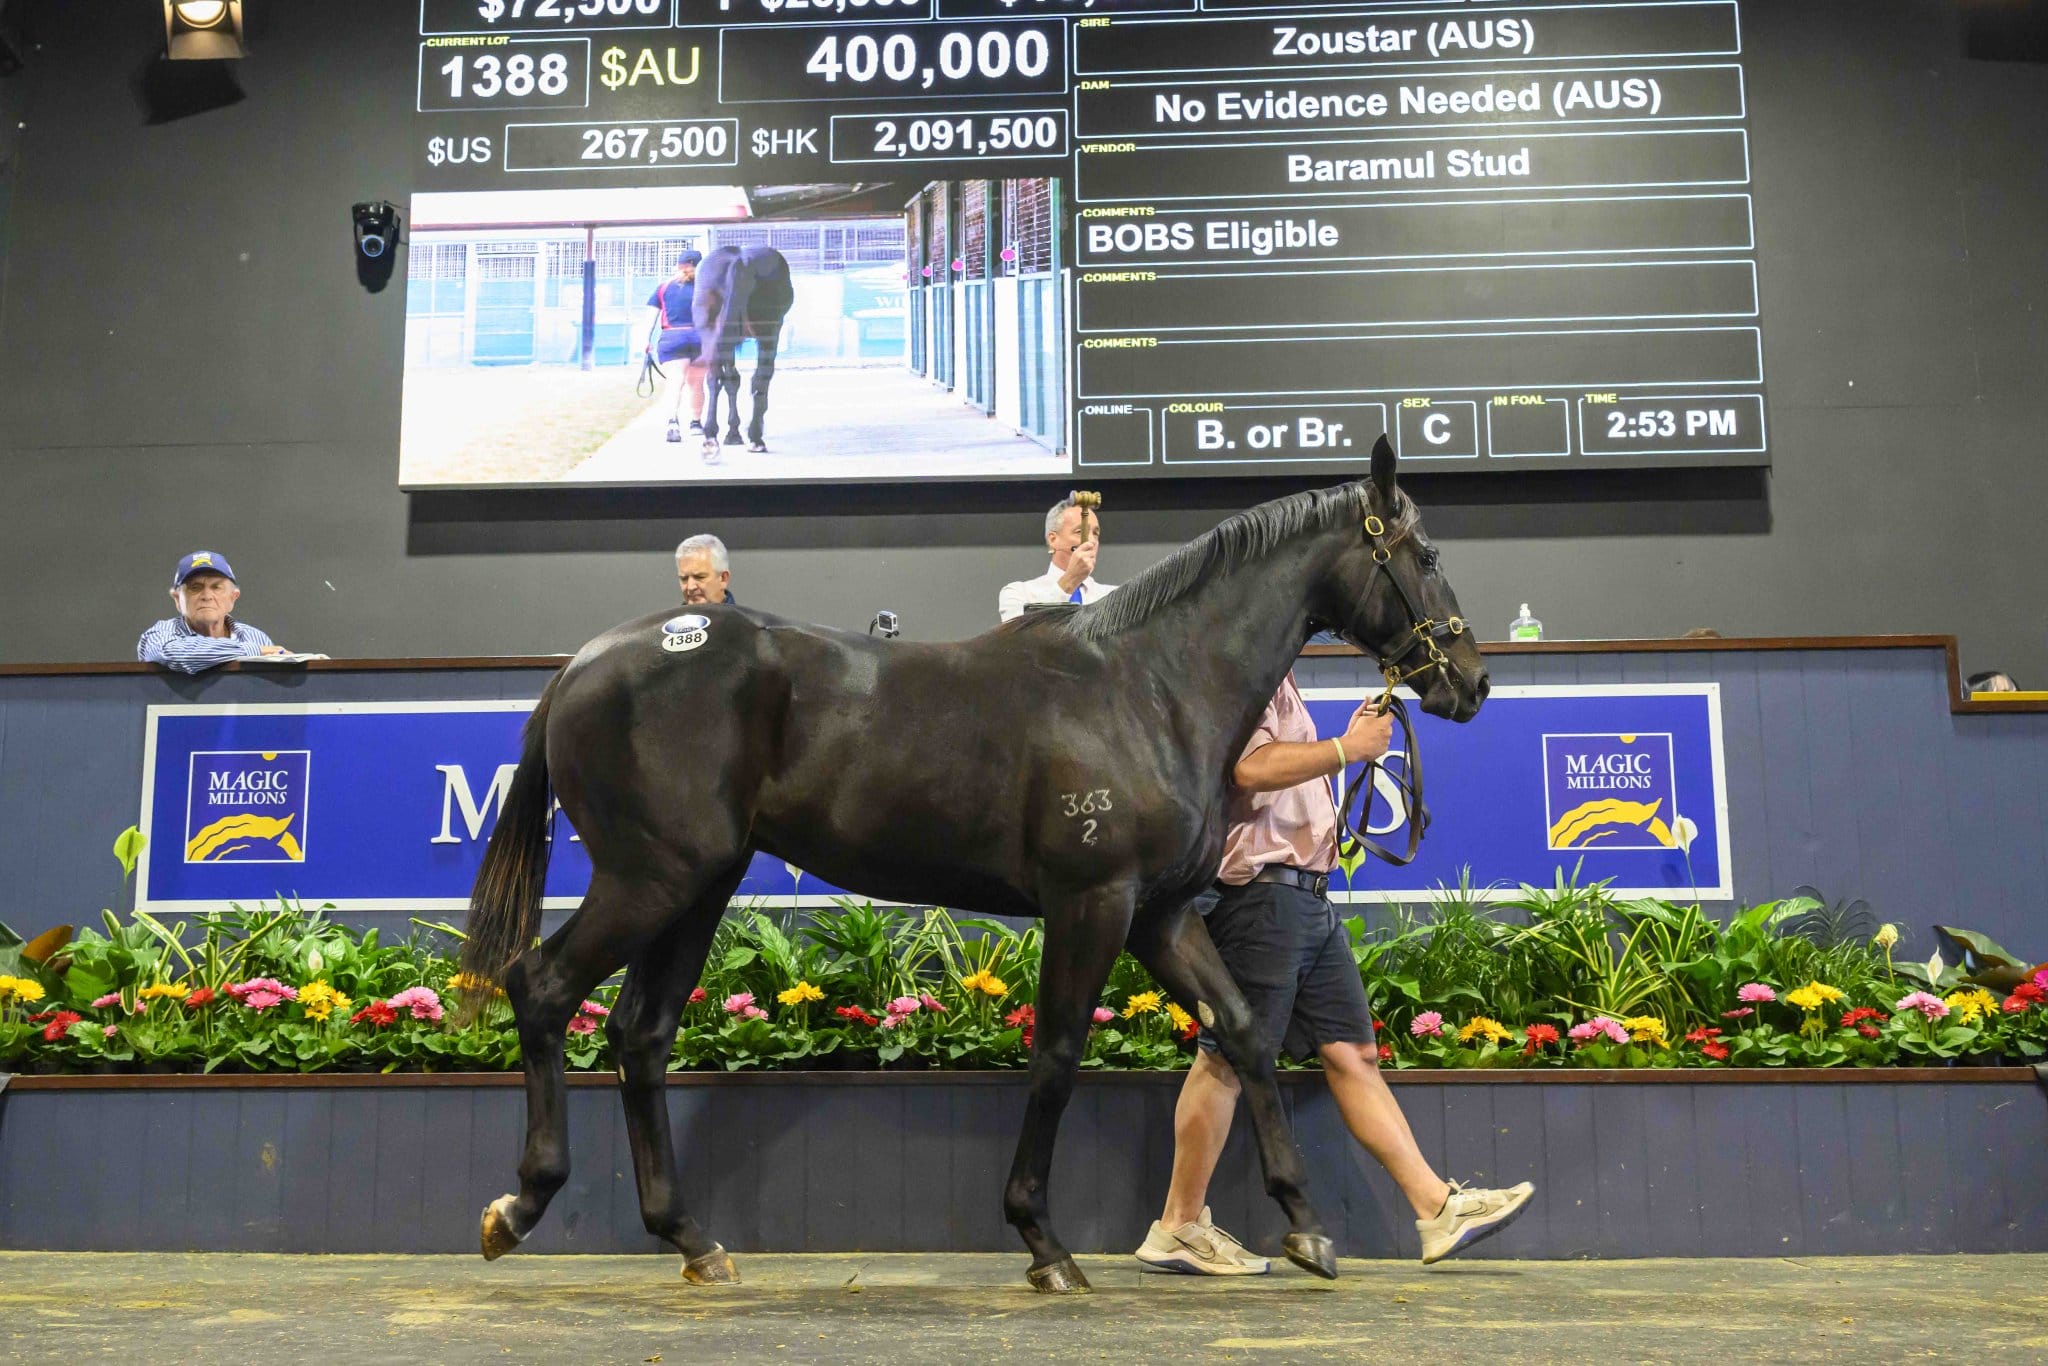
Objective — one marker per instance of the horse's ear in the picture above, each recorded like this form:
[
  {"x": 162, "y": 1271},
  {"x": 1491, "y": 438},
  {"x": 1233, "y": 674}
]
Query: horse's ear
[{"x": 1383, "y": 469}]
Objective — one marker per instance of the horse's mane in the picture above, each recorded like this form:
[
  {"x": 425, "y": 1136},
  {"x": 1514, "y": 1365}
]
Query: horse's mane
[{"x": 1246, "y": 536}]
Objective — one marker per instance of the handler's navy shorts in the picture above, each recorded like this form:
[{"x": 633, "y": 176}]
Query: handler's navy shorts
[
  {"x": 679, "y": 343},
  {"x": 1292, "y": 960}
]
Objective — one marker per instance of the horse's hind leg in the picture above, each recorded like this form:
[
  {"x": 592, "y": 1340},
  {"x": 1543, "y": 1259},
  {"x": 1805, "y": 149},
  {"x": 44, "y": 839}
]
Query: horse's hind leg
[
  {"x": 642, "y": 1029},
  {"x": 546, "y": 985},
  {"x": 729, "y": 381},
  {"x": 1175, "y": 948},
  {"x": 1082, "y": 939},
  {"x": 765, "y": 342}
]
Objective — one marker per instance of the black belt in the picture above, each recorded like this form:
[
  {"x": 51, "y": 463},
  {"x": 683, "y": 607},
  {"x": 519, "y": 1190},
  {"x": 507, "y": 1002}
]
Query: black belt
[{"x": 1288, "y": 875}]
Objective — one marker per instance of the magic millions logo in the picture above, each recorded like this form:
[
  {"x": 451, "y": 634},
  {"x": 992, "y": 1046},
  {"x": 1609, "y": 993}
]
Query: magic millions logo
[
  {"x": 1611, "y": 792},
  {"x": 247, "y": 806}
]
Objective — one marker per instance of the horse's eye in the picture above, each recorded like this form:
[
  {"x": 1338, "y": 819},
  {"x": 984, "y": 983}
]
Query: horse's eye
[{"x": 1429, "y": 558}]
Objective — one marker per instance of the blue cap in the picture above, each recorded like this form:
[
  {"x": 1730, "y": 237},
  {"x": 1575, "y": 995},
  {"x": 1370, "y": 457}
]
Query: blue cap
[
  {"x": 690, "y": 258},
  {"x": 200, "y": 562}
]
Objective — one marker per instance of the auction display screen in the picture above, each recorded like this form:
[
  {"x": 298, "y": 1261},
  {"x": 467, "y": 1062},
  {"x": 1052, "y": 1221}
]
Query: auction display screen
[{"x": 684, "y": 241}]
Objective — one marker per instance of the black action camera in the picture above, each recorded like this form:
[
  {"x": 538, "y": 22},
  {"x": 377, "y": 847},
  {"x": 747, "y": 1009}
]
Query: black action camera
[{"x": 376, "y": 228}]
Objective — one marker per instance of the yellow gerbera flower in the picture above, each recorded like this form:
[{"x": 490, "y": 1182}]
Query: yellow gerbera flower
[
  {"x": 20, "y": 989},
  {"x": 320, "y": 1000},
  {"x": 174, "y": 990},
  {"x": 1143, "y": 1003},
  {"x": 1971, "y": 1005},
  {"x": 798, "y": 994},
  {"x": 1181, "y": 1019},
  {"x": 1647, "y": 1029},
  {"x": 1813, "y": 996},
  {"x": 985, "y": 982},
  {"x": 1494, "y": 1030}
]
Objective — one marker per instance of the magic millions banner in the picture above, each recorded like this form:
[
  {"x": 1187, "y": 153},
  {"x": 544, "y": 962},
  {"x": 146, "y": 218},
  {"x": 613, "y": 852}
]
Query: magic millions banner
[{"x": 387, "y": 805}]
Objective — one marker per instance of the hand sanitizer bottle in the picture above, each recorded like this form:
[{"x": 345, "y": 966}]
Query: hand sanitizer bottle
[{"x": 1525, "y": 627}]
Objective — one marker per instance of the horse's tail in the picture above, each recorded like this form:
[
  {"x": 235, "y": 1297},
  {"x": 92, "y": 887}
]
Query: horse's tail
[{"x": 504, "y": 906}]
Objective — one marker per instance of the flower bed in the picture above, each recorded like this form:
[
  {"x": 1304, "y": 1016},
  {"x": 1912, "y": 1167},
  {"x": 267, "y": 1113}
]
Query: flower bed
[{"x": 1561, "y": 978}]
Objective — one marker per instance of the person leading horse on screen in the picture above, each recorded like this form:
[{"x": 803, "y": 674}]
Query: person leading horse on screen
[
  {"x": 672, "y": 335},
  {"x": 742, "y": 294}
]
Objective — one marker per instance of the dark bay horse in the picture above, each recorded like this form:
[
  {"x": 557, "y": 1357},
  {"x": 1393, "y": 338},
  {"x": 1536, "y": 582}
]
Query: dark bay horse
[
  {"x": 743, "y": 293},
  {"x": 939, "y": 774}
]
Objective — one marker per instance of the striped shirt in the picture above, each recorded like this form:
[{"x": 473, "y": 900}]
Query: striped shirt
[{"x": 175, "y": 645}]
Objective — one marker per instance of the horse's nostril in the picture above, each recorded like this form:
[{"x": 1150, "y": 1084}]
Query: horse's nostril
[{"x": 1484, "y": 687}]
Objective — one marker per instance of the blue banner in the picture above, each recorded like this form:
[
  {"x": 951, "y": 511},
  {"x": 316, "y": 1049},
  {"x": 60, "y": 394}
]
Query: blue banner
[{"x": 387, "y": 805}]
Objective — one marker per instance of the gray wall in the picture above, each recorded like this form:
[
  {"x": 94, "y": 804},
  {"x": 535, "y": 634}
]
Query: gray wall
[
  {"x": 186, "y": 358},
  {"x": 1753, "y": 1169}
]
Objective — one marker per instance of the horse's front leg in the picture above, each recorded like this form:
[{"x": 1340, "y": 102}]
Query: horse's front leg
[
  {"x": 1083, "y": 934},
  {"x": 1176, "y": 949}
]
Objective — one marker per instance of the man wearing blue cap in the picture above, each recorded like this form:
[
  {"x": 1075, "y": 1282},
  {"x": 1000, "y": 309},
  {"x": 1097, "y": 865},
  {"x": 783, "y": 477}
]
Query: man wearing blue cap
[
  {"x": 205, "y": 632},
  {"x": 672, "y": 335}
]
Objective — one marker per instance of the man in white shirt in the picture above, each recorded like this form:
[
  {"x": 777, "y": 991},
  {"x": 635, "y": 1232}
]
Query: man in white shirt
[{"x": 1073, "y": 534}]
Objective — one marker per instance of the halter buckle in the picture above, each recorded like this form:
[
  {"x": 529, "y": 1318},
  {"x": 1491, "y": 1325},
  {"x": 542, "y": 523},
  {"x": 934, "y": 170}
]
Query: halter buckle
[{"x": 1374, "y": 526}]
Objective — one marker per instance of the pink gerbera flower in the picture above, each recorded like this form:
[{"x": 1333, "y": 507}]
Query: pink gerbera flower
[
  {"x": 1597, "y": 1028},
  {"x": 1933, "y": 1007},
  {"x": 261, "y": 993},
  {"x": 1428, "y": 1025},
  {"x": 582, "y": 1024},
  {"x": 904, "y": 1005},
  {"x": 1756, "y": 993},
  {"x": 738, "y": 1002},
  {"x": 112, "y": 998},
  {"x": 423, "y": 1002},
  {"x": 930, "y": 1002},
  {"x": 753, "y": 1012},
  {"x": 1103, "y": 1015},
  {"x": 1743, "y": 1013}
]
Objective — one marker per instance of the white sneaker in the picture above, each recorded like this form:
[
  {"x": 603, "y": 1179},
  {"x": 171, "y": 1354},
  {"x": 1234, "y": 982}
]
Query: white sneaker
[
  {"x": 1468, "y": 1216},
  {"x": 1198, "y": 1249}
]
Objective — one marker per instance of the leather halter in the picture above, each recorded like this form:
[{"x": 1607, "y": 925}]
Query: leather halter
[{"x": 1423, "y": 633}]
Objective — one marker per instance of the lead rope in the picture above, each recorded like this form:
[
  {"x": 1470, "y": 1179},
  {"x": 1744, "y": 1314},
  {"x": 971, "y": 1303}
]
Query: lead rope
[{"x": 1407, "y": 783}]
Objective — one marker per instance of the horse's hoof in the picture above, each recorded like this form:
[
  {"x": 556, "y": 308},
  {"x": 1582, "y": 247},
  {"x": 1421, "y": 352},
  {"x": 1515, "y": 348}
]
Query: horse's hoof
[
  {"x": 1059, "y": 1278},
  {"x": 712, "y": 1268},
  {"x": 498, "y": 1237},
  {"x": 1313, "y": 1253},
  {"x": 733, "y": 438}
]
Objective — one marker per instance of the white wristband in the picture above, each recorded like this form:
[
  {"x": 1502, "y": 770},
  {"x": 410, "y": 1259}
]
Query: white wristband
[{"x": 1343, "y": 760}]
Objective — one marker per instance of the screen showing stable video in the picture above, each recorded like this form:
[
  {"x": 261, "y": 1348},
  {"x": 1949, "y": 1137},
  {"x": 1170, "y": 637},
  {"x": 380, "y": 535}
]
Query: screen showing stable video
[{"x": 758, "y": 241}]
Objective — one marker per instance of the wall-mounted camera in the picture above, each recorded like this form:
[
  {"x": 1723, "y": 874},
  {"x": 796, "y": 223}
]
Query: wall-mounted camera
[
  {"x": 376, "y": 242},
  {"x": 376, "y": 228}
]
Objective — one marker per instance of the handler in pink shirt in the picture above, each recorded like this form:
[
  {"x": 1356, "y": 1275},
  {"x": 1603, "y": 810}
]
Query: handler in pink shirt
[{"x": 1283, "y": 943}]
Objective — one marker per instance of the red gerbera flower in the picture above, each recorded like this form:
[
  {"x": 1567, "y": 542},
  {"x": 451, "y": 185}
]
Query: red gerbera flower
[
  {"x": 1702, "y": 1035},
  {"x": 378, "y": 1013},
  {"x": 199, "y": 998},
  {"x": 60, "y": 1020},
  {"x": 1854, "y": 1018},
  {"x": 698, "y": 994},
  {"x": 1025, "y": 1018},
  {"x": 1867, "y": 1030},
  {"x": 856, "y": 1015},
  {"x": 1717, "y": 1051},
  {"x": 1538, "y": 1035},
  {"x": 2031, "y": 991}
]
